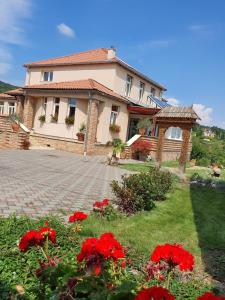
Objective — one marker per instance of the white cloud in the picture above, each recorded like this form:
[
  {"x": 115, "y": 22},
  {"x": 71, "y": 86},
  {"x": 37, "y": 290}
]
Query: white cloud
[
  {"x": 173, "y": 101},
  {"x": 201, "y": 30},
  {"x": 66, "y": 30},
  {"x": 12, "y": 16},
  {"x": 205, "y": 113}
]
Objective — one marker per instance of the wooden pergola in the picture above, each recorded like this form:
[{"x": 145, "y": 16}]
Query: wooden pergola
[{"x": 182, "y": 117}]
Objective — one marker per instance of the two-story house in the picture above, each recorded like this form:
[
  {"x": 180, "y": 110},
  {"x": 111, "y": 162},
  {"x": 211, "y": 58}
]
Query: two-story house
[{"x": 93, "y": 89}]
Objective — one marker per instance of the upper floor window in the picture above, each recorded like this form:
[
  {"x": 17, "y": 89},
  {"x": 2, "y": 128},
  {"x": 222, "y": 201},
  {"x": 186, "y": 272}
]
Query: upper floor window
[
  {"x": 153, "y": 92},
  {"x": 47, "y": 76},
  {"x": 174, "y": 133},
  {"x": 12, "y": 108},
  {"x": 128, "y": 85},
  {"x": 141, "y": 90},
  {"x": 1, "y": 108},
  {"x": 114, "y": 114},
  {"x": 72, "y": 107}
]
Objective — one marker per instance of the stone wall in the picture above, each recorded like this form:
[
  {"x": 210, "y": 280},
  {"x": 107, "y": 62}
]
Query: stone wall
[{"x": 10, "y": 139}]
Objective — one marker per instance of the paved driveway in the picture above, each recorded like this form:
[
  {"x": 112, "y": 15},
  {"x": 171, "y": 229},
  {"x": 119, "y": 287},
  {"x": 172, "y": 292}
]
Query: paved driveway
[{"x": 38, "y": 182}]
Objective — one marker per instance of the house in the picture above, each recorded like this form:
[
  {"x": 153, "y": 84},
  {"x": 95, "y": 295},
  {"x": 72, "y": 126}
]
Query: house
[
  {"x": 95, "y": 89},
  {"x": 208, "y": 133},
  {"x": 7, "y": 104}
]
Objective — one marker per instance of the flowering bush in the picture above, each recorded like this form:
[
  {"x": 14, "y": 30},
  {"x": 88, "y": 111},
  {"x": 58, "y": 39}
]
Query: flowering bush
[
  {"x": 105, "y": 210},
  {"x": 141, "y": 146},
  {"x": 154, "y": 293},
  {"x": 100, "y": 206}
]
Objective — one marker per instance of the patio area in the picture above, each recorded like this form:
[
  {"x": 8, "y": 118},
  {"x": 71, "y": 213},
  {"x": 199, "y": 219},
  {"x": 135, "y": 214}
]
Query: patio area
[{"x": 39, "y": 182}]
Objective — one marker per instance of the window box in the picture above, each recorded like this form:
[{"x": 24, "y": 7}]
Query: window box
[
  {"x": 114, "y": 128},
  {"x": 69, "y": 120},
  {"x": 80, "y": 136}
]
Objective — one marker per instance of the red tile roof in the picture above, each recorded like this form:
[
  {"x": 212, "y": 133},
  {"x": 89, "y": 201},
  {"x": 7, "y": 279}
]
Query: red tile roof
[
  {"x": 15, "y": 92},
  {"x": 90, "y": 57},
  {"x": 5, "y": 96},
  {"x": 96, "y": 55},
  {"x": 87, "y": 84}
]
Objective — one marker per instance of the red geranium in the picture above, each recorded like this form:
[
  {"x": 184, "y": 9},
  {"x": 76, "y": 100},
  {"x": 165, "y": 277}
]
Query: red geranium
[
  {"x": 154, "y": 293},
  {"x": 96, "y": 251},
  {"x": 174, "y": 255},
  {"x": 100, "y": 205},
  {"x": 210, "y": 296},
  {"x": 30, "y": 238},
  {"x": 37, "y": 237},
  {"x": 77, "y": 216},
  {"x": 52, "y": 262}
]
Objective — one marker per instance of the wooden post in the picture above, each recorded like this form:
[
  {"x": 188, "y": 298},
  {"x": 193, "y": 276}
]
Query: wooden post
[
  {"x": 184, "y": 149},
  {"x": 161, "y": 138}
]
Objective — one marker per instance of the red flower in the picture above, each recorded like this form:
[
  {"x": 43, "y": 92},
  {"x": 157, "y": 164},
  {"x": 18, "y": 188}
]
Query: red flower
[
  {"x": 77, "y": 216},
  {"x": 37, "y": 237},
  {"x": 96, "y": 251},
  {"x": 31, "y": 238},
  {"x": 48, "y": 232},
  {"x": 100, "y": 205},
  {"x": 210, "y": 296},
  {"x": 154, "y": 293},
  {"x": 52, "y": 262},
  {"x": 174, "y": 255}
]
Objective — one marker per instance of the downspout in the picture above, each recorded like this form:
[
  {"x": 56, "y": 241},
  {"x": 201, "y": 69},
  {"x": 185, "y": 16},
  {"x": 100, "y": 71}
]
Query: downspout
[{"x": 88, "y": 122}]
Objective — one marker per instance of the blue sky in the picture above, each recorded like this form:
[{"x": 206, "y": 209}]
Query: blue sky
[{"x": 180, "y": 44}]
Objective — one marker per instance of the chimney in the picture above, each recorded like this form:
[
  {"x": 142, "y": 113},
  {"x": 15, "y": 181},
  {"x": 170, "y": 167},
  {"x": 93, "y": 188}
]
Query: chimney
[{"x": 111, "y": 53}]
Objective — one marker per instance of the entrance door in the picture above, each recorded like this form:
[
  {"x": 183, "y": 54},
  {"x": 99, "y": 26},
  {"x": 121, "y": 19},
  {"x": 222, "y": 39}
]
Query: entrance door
[{"x": 133, "y": 128}]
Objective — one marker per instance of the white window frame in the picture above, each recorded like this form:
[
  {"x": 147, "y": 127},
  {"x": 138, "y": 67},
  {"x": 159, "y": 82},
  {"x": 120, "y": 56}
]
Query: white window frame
[
  {"x": 11, "y": 108},
  {"x": 56, "y": 104},
  {"x": 71, "y": 105},
  {"x": 49, "y": 76},
  {"x": 174, "y": 133},
  {"x": 153, "y": 91},
  {"x": 114, "y": 114},
  {"x": 141, "y": 90},
  {"x": 128, "y": 86},
  {"x": 2, "y": 107}
]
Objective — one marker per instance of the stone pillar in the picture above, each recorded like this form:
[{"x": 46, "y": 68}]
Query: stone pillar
[
  {"x": 184, "y": 149},
  {"x": 20, "y": 107},
  {"x": 160, "y": 144},
  {"x": 29, "y": 110},
  {"x": 92, "y": 126}
]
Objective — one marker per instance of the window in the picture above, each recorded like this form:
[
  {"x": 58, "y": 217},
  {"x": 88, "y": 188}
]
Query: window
[
  {"x": 174, "y": 133},
  {"x": 153, "y": 92},
  {"x": 44, "y": 105},
  {"x": 72, "y": 107},
  {"x": 12, "y": 107},
  {"x": 47, "y": 76},
  {"x": 1, "y": 108},
  {"x": 128, "y": 85},
  {"x": 56, "y": 106},
  {"x": 114, "y": 114},
  {"x": 141, "y": 90}
]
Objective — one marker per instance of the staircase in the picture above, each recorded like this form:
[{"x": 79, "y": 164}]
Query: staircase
[{"x": 10, "y": 139}]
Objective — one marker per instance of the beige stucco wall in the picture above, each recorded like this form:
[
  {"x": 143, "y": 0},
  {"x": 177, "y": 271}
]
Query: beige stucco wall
[
  {"x": 119, "y": 85},
  {"x": 103, "y": 73},
  {"x": 60, "y": 128}
]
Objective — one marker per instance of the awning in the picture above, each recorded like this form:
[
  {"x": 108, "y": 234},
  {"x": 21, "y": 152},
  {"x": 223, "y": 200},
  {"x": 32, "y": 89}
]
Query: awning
[{"x": 143, "y": 110}]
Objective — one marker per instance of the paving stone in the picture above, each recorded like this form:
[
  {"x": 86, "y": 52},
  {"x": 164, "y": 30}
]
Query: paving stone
[{"x": 37, "y": 183}]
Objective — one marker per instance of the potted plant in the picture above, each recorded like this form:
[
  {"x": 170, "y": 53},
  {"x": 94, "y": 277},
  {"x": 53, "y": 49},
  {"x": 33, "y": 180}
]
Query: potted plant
[
  {"x": 143, "y": 124},
  {"x": 81, "y": 133},
  {"x": 15, "y": 122},
  {"x": 42, "y": 118},
  {"x": 114, "y": 128},
  {"x": 54, "y": 118},
  {"x": 118, "y": 147},
  {"x": 26, "y": 144},
  {"x": 69, "y": 120}
]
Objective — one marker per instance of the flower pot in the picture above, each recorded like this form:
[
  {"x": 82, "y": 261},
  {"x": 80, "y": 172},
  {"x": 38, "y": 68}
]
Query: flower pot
[
  {"x": 15, "y": 127},
  {"x": 142, "y": 131},
  {"x": 80, "y": 136}
]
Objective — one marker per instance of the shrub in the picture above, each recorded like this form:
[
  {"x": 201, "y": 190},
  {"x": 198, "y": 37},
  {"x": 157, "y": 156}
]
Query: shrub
[
  {"x": 205, "y": 162},
  {"x": 42, "y": 118},
  {"x": 69, "y": 121},
  {"x": 138, "y": 191}
]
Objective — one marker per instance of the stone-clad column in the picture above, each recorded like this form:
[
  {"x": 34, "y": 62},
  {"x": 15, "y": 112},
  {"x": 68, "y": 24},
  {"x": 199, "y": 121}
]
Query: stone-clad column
[
  {"x": 29, "y": 110},
  {"x": 160, "y": 144},
  {"x": 184, "y": 149},
  {"x": 92, "y": 126}
]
